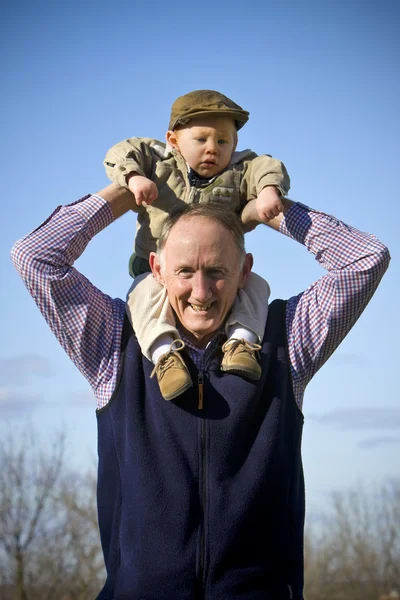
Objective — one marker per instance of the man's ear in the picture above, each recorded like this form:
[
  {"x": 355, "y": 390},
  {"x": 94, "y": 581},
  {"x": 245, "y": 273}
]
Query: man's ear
[
  {"x": 246, "y": 270},
  {"x": 155, "y": 266},
  {"x": 172, "y": 138}
]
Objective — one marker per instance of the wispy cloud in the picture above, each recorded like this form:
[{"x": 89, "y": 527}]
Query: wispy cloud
[
  {"x": 378, "y": 441},
  {"x": 361, "y": 418},
  {"x": 340, "y": 359},
  {"x": 19, "y": 370},
  {"x": 84, "y": 398},
  {"x": 17, "y": 404}
]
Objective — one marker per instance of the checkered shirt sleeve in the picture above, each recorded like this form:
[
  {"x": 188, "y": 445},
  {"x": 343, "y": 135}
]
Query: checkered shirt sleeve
[
  {"x": 318, "y": 319},
  {"x": 86, "y": 322}
]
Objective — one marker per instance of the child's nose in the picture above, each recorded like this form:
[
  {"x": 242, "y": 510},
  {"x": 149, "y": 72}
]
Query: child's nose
[{"x": 212, "y": 146}]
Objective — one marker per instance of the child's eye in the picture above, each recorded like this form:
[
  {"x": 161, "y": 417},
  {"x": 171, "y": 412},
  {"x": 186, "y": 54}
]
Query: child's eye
[
  {"x": 222, "y": 142},
  {"x": 202, "y": 140}
]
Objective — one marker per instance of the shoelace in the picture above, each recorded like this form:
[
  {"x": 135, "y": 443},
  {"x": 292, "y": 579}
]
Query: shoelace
[
  {"x": 247, "y": 347},
  {"x": 165, "y": 361}
]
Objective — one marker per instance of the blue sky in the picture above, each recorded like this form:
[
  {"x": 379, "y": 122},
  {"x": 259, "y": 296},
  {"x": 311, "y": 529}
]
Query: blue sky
[{"x": 321, "y": 82}]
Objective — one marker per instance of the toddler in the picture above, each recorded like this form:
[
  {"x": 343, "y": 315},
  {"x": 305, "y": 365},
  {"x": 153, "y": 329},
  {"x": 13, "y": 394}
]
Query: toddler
[{"x": 198, "y": 163}]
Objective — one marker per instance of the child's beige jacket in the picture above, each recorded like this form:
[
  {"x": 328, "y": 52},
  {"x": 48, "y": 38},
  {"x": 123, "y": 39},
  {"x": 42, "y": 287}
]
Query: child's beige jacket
[{"x": 244, "y": 178}]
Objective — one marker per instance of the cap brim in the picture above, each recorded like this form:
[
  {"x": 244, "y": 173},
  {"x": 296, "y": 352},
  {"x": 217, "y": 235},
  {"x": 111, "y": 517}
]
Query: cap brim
[{"x": 239, "y": 118}]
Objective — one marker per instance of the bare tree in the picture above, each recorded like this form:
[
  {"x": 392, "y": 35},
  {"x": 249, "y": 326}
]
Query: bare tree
[
  {"x": 78, "y": 498},
  {"x": 357, "y": 553},
  {"x": 49, "y": 540},
  {"x": 28, "y": 479},
  {"x": 393, "y": 595}
]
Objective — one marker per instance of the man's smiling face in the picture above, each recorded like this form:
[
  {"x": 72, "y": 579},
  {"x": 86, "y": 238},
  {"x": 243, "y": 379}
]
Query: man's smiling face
[{"x": 201, "y": 268}]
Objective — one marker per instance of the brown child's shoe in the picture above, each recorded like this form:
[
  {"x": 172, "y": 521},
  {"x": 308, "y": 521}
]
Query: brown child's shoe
[
  {"x": 240, "y": 358},
  {"x": 172, "y": 373}
]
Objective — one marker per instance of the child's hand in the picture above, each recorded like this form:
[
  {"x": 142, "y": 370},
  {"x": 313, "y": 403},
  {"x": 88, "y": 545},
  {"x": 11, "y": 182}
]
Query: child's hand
[
  {"x": 269, "y": 203},
  {"x": 144, "y": 190}
]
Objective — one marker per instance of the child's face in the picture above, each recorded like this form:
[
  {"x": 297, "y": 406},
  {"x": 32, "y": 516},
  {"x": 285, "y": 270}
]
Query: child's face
[{"x": 206, "y": 143}]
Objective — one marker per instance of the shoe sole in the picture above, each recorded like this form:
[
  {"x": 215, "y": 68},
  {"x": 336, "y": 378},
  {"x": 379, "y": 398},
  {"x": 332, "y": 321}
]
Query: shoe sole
[
  {"x": 179, "y": 392},
  {"x": 252, "y": 376}
]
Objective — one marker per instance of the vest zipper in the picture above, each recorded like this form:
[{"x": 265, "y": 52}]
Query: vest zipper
[
  {"x": 203, "y": 490},
  {"x": 203, "y": 497},
  {"x": 200, "y": 381},
  {"x": 203, "y": 459}
]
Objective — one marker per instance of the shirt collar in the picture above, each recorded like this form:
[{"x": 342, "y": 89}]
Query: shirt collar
[{"x": 200, "y": 355}]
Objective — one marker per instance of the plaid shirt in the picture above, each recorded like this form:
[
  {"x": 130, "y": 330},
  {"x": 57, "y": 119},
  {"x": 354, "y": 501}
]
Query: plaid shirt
[{"x": 88, "y": 323}]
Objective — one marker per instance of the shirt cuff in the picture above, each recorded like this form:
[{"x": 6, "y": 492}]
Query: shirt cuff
[
  {"x": 296, "y": 222},
  {"x": 95, "y": 211}
]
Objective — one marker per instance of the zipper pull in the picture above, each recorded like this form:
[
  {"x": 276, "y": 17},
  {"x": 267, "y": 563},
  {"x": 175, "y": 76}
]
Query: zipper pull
[{"x": 201, "y": 391}]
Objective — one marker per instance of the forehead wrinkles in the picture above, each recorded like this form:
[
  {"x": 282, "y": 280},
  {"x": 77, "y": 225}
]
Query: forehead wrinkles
[
  {"x": 201, "y": 239},
  {"x": 202, "y": 231}
]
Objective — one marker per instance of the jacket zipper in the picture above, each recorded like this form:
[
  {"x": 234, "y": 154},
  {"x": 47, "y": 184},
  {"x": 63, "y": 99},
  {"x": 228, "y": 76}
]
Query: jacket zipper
[{"x": 290, "y": 592}]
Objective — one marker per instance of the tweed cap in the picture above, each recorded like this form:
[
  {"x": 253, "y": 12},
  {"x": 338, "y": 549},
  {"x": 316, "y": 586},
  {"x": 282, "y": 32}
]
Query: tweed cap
[{"x": 205, "y": 103}]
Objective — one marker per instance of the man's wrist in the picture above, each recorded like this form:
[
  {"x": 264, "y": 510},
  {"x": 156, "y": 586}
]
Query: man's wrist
[
  {"x": 120, "y": 199},
  {"x": 286, "y": 203},
  {"x": 250, "y": 217}
]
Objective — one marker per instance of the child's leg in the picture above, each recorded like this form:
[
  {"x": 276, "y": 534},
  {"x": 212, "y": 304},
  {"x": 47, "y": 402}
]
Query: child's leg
[
  {"x": 245, "y": 328},
  {"x": 151, "y": 316},
  {"x": 153, "y": 321},
  {"x": 249, "y": 313}
]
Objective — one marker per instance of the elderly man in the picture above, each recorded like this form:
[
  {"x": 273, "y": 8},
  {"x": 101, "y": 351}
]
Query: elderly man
[{"x": 202, "y": 497}]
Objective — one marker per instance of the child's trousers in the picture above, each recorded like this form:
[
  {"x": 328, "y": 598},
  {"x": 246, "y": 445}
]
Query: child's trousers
[{"x": 151, "y": 315}]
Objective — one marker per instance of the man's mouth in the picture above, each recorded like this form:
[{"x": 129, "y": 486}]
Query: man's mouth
[{"x": 200, "y": 307}]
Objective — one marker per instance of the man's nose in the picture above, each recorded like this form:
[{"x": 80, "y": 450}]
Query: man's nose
[{"x": 201, "y": 287}]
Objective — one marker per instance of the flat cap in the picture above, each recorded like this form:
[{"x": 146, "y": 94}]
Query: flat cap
[{"x": 205, "y": 103}]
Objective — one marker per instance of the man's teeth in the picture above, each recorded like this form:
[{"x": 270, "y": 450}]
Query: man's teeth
[{"x": 199, "y": 308}]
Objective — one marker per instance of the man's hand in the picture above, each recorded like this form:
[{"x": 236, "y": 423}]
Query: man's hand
[
  {"x": 269, "y": 204},
  {"x": 144, "y": 190}
]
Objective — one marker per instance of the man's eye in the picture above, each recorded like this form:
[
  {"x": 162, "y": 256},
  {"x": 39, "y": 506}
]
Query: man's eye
[
  {"x": 215, "y": 273},
  {"x": 184, "y": 272}
]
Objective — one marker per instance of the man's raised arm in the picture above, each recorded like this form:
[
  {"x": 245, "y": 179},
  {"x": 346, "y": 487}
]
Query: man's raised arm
[
  {"x": 318, "y": 319},
  {"x": 120, "y": 199},
  {"x": 86, "y": 322}
]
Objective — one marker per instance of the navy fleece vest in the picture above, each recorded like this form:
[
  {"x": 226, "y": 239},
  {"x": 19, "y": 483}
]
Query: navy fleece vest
[{"x": 203, "y": 503}]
